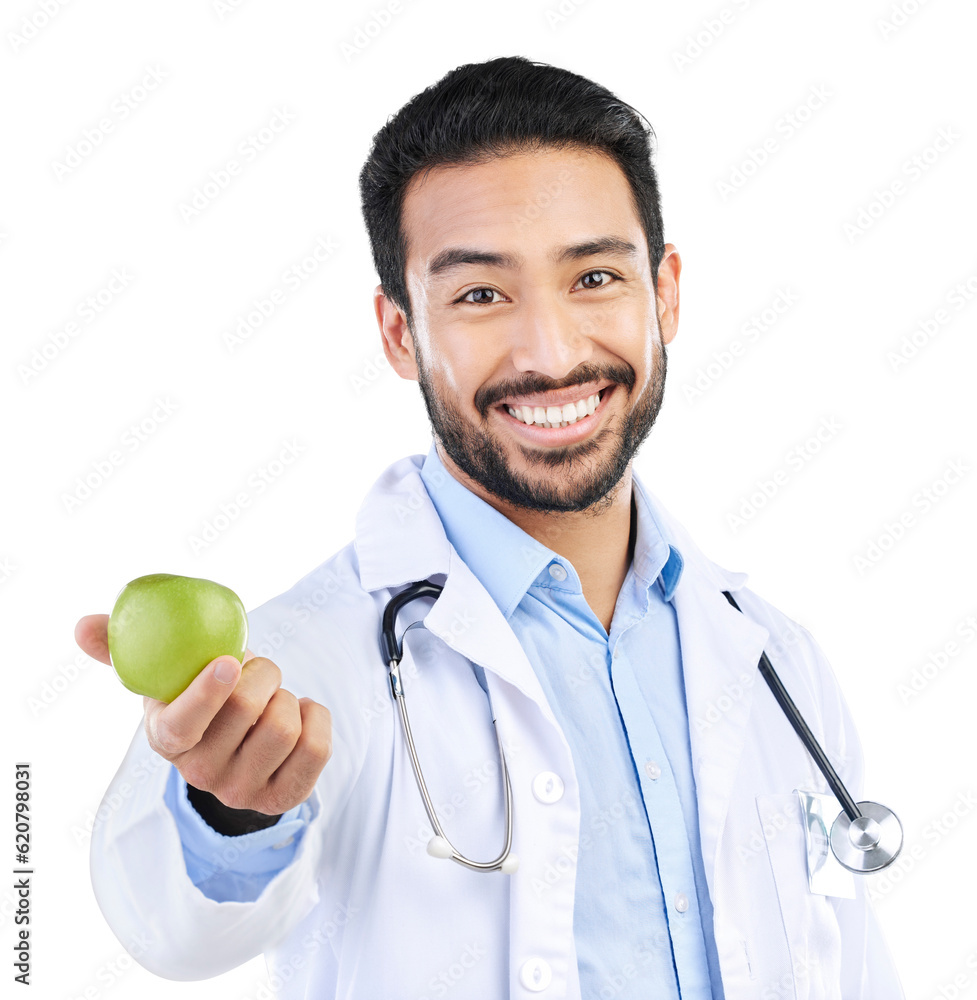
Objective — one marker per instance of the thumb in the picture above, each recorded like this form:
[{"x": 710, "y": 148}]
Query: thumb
[
  {"x": 92, "y": 635},
  {"x": 177, "y": 726}
]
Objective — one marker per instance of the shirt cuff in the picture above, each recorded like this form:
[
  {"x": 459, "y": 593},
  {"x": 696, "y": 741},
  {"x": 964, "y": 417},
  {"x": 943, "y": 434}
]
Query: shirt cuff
[{"x": 208, "y": 853}]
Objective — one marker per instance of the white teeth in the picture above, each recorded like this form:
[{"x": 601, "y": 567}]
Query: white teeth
[{"x": 556, "y": 416}]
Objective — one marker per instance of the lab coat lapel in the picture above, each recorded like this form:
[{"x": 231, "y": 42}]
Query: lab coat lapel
[
  {"x": 400, "y": 540},
  {"x": 720, "y": 650},
  {"x": 468, "y": 620}
]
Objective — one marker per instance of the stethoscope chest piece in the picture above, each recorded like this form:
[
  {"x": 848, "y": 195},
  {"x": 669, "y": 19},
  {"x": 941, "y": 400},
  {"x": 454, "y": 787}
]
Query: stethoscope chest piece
[{"x": 870, "y": 841}]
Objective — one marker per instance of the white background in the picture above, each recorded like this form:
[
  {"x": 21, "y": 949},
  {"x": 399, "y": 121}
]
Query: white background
[{"x": 893, "y": 77}]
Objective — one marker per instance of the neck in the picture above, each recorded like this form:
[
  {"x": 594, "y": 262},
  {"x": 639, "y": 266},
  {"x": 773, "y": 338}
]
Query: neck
[{"x": 598, "y": 542}]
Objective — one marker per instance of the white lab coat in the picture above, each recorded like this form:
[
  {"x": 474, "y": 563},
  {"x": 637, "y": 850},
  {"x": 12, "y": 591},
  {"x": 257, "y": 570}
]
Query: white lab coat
[{"x": 364, "y": 912}]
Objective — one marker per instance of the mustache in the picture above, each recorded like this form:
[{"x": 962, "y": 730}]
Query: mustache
[{"x": 485, "y": 399}]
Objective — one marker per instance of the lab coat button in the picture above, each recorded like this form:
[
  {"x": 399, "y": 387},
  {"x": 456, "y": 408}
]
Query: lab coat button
[
  {"x": 558, "y": 572},
  {"x": 535, "y": 974},
  {"x": 681, "y": 902},
  {"x": 653, "y": 770},
  {"x": 548, "y": 787}
]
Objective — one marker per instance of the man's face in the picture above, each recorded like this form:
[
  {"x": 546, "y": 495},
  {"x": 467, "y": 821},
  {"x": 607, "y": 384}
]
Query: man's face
[{"x": 506, "y": 315}]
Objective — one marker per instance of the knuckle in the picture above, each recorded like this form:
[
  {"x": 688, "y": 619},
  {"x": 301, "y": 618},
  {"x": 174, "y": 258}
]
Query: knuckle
[
  {"x": 284, "y": 730},
  {"x": 308, "y": 787},
  {"x": 245, "y": 705},
  {"x": 275, "y": 800},
  {"x": 165, "y": 737},
  {"x": 317, "y": 733},
  {"x": 317, "y": 744},
  {"x": 199, "y": 773},
  {"x": 234, "y": 795},
  {"x": 267, "y": 668},
  {"x": 317, "y": 710}
]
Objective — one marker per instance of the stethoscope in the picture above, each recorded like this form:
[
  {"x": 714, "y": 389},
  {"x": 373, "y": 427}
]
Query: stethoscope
[{"x": 865, "y": 837}]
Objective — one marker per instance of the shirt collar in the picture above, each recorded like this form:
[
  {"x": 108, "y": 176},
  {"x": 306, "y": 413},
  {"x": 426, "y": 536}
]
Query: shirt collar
[{"x": 508, "y": 561}]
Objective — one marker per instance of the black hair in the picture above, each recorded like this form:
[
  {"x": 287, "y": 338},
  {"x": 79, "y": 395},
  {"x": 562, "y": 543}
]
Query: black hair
[{"x": 480, "y": 111}]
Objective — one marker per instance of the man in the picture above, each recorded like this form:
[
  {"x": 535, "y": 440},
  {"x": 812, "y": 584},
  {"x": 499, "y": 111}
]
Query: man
[{"x": 514, "y": 218}]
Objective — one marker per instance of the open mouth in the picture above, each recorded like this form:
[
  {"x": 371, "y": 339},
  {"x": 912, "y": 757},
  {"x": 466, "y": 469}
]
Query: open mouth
[
  {"x": 558, "y": 426},
  {"x": 557, "y": 416}
]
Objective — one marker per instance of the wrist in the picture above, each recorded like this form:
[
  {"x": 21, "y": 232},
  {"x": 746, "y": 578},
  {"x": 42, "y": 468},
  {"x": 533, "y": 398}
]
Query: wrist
[{"x": 225, "y": 820}]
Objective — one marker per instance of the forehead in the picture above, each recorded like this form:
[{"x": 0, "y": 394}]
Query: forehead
[{"x": 515, "y": 203}]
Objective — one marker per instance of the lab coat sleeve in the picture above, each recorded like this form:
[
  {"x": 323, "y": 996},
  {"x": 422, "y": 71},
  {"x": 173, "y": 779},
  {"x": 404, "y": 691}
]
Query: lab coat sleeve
[
  {"x": 238, "y": 868},
  {"x": 146, "y": 886},
  {"x": 139, "y": 876},
  {"x": 867, "y": 968}
]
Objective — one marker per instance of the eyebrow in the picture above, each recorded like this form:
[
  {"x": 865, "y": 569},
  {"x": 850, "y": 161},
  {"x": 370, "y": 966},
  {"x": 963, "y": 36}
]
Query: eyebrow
[{"x": 450, "y": 258}]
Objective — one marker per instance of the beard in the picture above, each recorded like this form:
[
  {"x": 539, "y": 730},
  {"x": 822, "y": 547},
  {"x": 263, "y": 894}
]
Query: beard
[{"x": 574, "y": 478}]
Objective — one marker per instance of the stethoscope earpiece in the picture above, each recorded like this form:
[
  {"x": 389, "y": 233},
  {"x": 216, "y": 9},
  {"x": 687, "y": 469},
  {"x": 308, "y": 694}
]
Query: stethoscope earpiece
[{"x": 438, "y": 847}]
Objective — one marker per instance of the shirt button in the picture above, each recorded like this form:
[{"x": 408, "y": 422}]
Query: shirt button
[
  {"x": 548, "y": 787},
  {"x": 681, "y": 902},
  {"x": 535, "y": 974},
  {"x": 557, "y": 572},
  {"x": 282, "y": 843},
  {"x": 653, "y": 770}
]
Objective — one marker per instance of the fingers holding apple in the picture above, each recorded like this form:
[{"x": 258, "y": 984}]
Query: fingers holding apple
[
  {"x": 211, "y": 707},
  {"x": 172, "y": 733},
  {"x": 275, "y": 762},
  {"x": 252, "y": 744}
]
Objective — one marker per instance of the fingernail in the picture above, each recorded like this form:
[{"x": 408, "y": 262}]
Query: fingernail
[{"x": 226, "y": 671}]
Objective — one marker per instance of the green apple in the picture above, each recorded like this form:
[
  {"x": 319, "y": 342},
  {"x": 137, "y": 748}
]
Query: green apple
[{"x": 165, "y": 629}]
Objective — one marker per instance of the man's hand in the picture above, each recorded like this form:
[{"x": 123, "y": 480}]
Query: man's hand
[{"x": 235, "y": 731}]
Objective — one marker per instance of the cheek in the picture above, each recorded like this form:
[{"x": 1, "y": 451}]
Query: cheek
[
  {"x": 462, "y": 366},
  {"x": 632, "y": 336}
]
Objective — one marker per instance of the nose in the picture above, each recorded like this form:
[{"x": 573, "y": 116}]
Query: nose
[{"x": 550, "y": 340}]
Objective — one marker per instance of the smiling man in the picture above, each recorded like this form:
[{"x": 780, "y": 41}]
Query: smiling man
[
  {"x": 545, "y": 381},
  {"x": 580, "y": 663}
]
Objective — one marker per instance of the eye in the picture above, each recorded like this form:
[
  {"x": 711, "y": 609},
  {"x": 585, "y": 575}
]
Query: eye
[
  {"x": 480, "y": 301},
  {"x": 610, "y": 274}
]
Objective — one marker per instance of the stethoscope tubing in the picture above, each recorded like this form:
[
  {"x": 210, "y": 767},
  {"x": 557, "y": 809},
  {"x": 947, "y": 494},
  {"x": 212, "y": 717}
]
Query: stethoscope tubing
[
  {"x": 795, "y": 718},
  {"x": 393, "y": 652},
  {"x": 868, "y": 839}
]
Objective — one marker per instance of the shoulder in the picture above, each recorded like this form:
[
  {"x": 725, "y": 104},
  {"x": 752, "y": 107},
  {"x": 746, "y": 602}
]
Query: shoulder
[{"x": 326, "y": 595}]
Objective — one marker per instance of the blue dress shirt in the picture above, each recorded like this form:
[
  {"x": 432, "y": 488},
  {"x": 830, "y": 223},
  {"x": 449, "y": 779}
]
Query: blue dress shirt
[{"x": 643, "y": 920}]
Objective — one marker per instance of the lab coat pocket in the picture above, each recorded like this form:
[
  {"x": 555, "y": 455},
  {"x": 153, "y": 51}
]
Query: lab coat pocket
[{"x": 813, "y": 937}]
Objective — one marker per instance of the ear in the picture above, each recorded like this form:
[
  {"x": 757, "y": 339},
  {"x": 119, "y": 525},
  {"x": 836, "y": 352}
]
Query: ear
[
  {"x": 398, "y": 344},
  {"x": 669, "y": 271}
]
